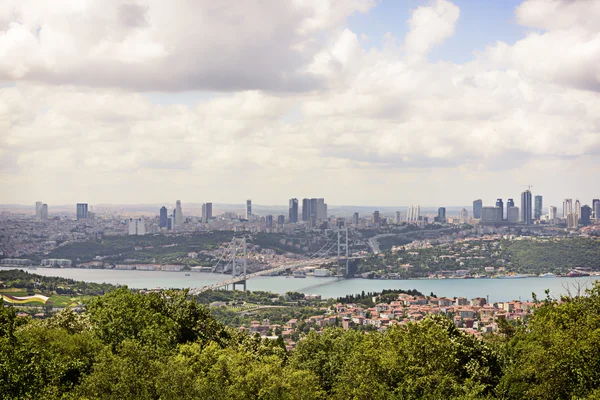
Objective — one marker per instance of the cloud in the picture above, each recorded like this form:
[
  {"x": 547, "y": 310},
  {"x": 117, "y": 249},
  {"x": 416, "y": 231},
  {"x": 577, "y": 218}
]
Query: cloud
[
  {"x": 430, "y": 26},
  {"x": 185, "y": 45}
]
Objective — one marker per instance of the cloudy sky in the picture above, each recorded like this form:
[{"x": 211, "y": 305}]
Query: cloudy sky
[{"x": 366, "y": 102}]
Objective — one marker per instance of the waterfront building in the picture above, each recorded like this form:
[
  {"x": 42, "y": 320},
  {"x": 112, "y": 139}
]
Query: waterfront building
[
  {"x": 477, "y": 206},
  {"x": 526, "y": 209},
  {"x": 82, "y": 211},
  {"x": 162, "y": 219},
  {"x": 537, "y": 208},
  {"x": 293, "y": 211}
]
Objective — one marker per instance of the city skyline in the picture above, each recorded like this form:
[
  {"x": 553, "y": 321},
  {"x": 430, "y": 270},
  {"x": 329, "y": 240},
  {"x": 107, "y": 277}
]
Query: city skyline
[{"x": 356, "y": 101}]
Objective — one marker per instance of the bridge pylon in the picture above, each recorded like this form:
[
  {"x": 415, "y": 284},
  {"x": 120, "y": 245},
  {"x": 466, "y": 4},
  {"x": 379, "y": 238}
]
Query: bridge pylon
[
  {"x": 342, "y": 243},
  {"x": 237, "y": 245}
]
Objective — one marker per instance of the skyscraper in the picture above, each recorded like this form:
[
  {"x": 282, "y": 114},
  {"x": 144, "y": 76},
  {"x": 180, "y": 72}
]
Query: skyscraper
[
  {"x": 526, "y": 210},
  {"x": 293, "y": 211},
  {"x": 162, "y": 221},
  {"x": 537, "y": 207},
  {"x": 398, "y": 216},
  {"x": 512, "y": 214},
  {"x": 552, "y": 213},
  {"x": 248, "y": 208},
  {"x": 269, "y": 221},
  {"x": 206, "y": 212},
  {"x": 376, "y": 218},
  {"x": 594, "y": 212},
  {"x": 280, "y": 221},
  {"x": 413, "y": 213},
  {"x": 321, "y": 210},
  {"x": 441, "y": 214},
  {"x": 314, "y": 209},
  {"x": 82, "y": 211},
  {"x": 567, "y": 207},
  {"x": 509, "y": 203},
  {"x": 44, "y": 212},
  {"x": 178, "y": 213},
  {"x": 477, "y": 206},
  {"x": 464, "y": 214},
  {"x": 597, "y": 210},
  {"x": 136, "y": 226},
  {"x": 500, "y": 204},
  {"x": 586, "y": 214},
  {"x": 305, "y": 209},
  {"x": 38, "y": 210},
  {"x": 578, "y": 209},
  {"x": 355, "y": 218}
]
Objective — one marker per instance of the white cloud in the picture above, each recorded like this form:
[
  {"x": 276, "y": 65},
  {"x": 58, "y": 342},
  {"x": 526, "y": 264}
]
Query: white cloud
[{"x": 380, "y": 129}]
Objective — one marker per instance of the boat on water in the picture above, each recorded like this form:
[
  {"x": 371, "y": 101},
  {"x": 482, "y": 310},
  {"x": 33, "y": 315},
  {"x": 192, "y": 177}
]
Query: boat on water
[
  {"x": 299, "y": 276},
  {"x": 548, "y": 275},
  {"x": 187, "y": 274},
  {"x": 515, "y": 276}
]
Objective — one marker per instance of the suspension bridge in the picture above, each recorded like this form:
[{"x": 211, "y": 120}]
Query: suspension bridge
[{"x": 237, "y": 260}]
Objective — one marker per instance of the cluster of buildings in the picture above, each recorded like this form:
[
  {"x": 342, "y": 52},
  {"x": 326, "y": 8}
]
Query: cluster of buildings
[{"x": 531, "y": 211}]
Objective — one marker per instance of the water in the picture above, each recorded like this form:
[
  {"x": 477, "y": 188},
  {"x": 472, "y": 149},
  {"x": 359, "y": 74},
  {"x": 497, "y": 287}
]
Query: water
[{"x": 496, "y": 289}]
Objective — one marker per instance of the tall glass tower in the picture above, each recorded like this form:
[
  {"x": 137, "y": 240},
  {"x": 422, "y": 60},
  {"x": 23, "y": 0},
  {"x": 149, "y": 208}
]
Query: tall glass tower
[{"x": 526, "y": 211}]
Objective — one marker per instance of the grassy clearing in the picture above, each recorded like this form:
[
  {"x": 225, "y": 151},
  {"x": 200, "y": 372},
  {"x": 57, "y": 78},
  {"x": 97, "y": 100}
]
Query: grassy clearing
[{"x": 56, "y": 300}]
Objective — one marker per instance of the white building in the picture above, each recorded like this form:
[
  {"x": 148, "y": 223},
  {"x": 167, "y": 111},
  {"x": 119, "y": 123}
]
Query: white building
[{"x": 136, "y": 226}]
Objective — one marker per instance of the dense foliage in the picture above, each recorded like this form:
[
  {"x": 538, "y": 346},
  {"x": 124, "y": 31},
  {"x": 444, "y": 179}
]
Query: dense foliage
[
  {"x": 50, "y": 284},
  {"x": 163, "y": 346}
]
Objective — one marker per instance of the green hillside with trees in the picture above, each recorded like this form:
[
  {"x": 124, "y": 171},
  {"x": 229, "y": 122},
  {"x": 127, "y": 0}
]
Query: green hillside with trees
[{"x": 165, "y": 346}]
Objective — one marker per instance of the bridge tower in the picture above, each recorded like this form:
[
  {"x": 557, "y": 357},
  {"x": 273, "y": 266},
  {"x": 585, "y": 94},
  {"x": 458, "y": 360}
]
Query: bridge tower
[
  {"x": 342, "y": 243},
  {"x": 237, "y": 245}
]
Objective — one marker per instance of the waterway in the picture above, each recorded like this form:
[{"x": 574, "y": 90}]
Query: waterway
[{"x": 496, "y": 289}]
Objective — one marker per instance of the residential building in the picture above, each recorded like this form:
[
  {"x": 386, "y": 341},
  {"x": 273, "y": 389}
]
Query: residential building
[
  {"x": 567, "y": 207},
  {"x": 136, "y": 226},
  {"x": 38, "y": 210},
  {"x": 44, "y": 212}
]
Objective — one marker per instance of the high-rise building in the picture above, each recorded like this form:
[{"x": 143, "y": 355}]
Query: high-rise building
[
  {"x": 44, "y": 212},
  {"x": 464, "y": 214},
  {"x": 206, "y": 212},
  {"x": 594, "y": 212},
  {"x": 136, "y": 226},
  {"x": 306, "y": 210},
  {"x": 293, "y": 211},
  {"x": 537, "y": 207},
  {"x": 500, "y": 204},
  {"x": 321, "y": 210},
  {"x": 376, "y": 218},
  {"x": 162, "y": 220},
  {"x": 355, "y": 219},
  {"x": 441, "y": 214},
  {"x": 269, "y": 221},
  {"x": 526, "y": 209},
  {"x": 398, "y": 216},
  {"x": 314, "y": 209},
  {"x": 578, "y": 209},
  {"x": 572, "y": 220},
  {"x": 509, "y": 203},
  {"x": 248, "y": 208},
  {"x": 586, "y": 214},
  {"x": 82, "y": 211},
  {"x": 178, "y": 213},
  {"x": 567, "y": 207},
  {"x": 280, "y": 221},
  {"x": 512, "y": 214},
  {"x": 597, "y": 210},
  {"x": 552, "y": 213},
  {"x": 38, "y": 209},
  {"x": 171, "y": 222},
  {"x": 413, "y": 213},
  {"x": 477, "y": 205},
  {"x": 491, "y": 214}
]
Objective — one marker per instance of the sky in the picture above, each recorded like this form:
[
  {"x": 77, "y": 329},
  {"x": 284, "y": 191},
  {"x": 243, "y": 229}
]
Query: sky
[{"x": 363, "y": 102}]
